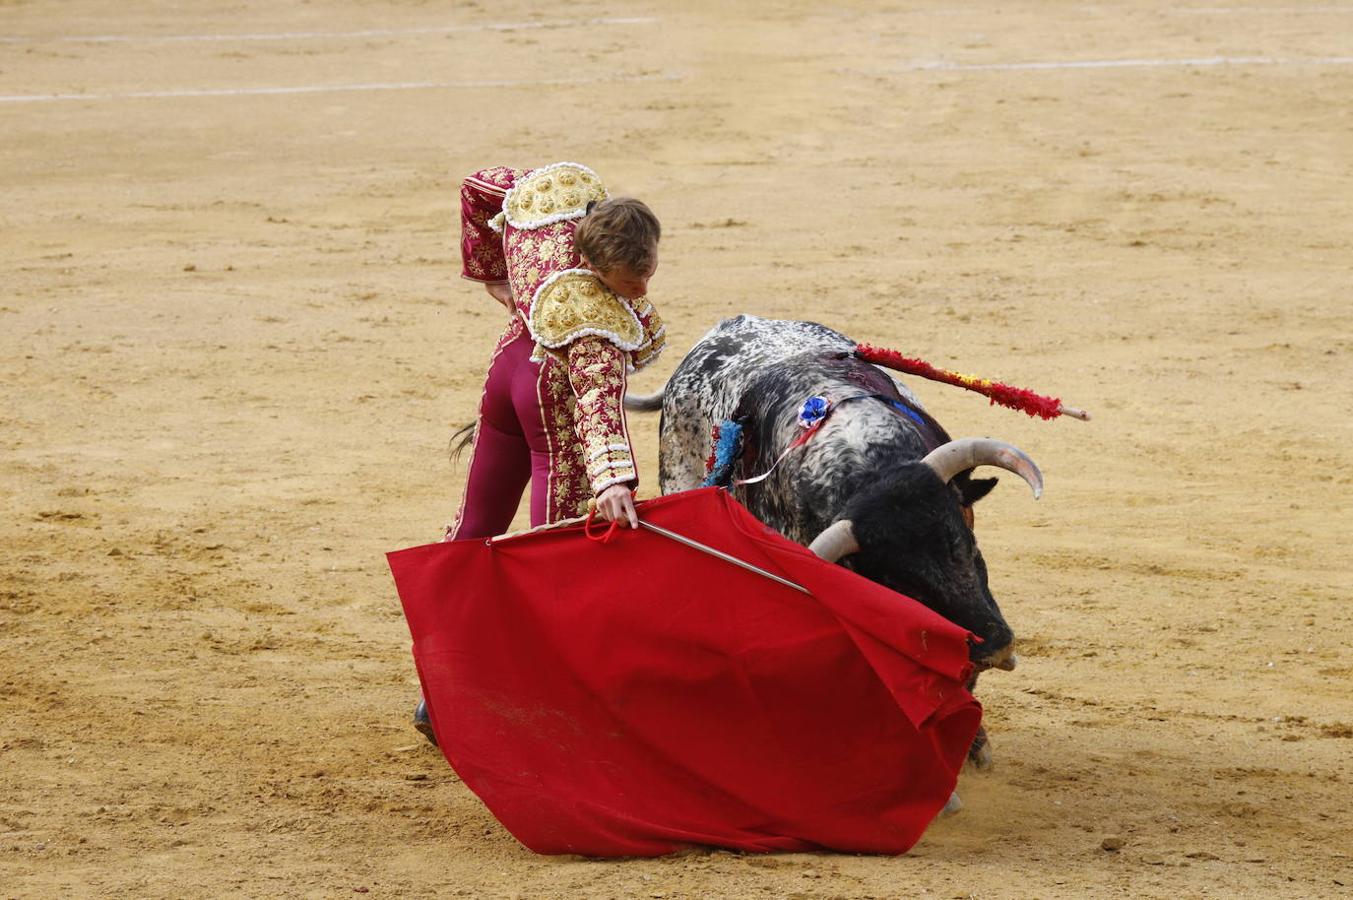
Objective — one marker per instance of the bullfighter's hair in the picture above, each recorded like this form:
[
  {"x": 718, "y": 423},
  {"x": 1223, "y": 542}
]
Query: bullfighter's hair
[{"x": 619, "y": 232}]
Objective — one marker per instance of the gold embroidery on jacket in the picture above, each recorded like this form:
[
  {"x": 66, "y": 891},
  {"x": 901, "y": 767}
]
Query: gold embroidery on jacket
[
  {"x": 655, "y": 336},
  {"x": 552, "y": 194},
  {"x": 575, "y": 304},
  {"x": 596, "y": 370}
]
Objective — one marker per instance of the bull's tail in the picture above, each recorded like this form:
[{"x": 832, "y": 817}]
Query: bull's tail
[{"x": 645, "y": 402}]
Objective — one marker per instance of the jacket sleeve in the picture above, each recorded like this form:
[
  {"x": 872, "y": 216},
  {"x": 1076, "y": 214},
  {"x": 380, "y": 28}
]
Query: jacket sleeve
[
  {"x": 596, "y": 371},
  {"x": 481, "y": 245}
]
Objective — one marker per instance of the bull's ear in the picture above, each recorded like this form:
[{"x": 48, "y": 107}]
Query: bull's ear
[{"x": 974, "y": 489}]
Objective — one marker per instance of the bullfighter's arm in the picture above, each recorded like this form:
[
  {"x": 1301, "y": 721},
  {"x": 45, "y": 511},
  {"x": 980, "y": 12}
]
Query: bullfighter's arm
[
  {"x": 481, "y": 245},
  {"x": 596, "y": 371}
]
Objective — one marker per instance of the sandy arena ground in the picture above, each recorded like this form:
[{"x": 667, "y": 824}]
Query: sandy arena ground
[{"x": 233, "y": 346}]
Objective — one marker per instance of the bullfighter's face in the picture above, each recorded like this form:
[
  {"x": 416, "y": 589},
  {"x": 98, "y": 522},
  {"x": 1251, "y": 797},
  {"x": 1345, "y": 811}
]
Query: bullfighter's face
[{"x": 625, "y": 281}]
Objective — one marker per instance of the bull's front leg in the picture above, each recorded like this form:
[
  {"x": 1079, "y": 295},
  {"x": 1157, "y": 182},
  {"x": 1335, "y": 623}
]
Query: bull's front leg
[{"x": 979, "y": 754}]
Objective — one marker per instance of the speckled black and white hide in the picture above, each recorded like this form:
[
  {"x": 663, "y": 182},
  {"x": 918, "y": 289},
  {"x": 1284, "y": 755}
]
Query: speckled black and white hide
[{"x": 914, "y": 530}]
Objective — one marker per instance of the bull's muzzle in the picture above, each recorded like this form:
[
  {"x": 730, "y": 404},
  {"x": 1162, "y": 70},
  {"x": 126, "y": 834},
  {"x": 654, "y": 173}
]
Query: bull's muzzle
[{"x": 1004, "y": 659}]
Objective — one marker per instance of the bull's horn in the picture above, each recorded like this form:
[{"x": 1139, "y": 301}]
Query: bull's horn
[
  {"x": 961, "y": 455},
  {"x": 836, "y": 541}
]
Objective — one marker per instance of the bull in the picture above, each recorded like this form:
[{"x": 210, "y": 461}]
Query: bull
[{"x": 880, "y": 487}]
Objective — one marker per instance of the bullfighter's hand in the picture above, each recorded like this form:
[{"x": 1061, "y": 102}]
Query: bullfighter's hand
[
  {"x": 503, "y": 294},
  {"x": 616, "y": 504}
]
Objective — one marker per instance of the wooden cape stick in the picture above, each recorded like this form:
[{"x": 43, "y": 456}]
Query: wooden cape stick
[{"x": 1025, "y": 401}]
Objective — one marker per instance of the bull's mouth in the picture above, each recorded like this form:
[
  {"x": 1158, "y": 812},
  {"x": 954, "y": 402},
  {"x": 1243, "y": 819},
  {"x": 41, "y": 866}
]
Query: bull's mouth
[{"x": 1003, "y": 659}]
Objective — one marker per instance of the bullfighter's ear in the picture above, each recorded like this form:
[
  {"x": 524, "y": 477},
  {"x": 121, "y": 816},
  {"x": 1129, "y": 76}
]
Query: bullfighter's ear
[{"x": 974, "y": 489}]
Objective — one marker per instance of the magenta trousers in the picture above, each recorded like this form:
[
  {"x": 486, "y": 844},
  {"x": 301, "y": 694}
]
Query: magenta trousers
[{"x": 510, "y": 447}]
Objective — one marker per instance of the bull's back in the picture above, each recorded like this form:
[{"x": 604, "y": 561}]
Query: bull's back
[{"x": 710, "y": 382}]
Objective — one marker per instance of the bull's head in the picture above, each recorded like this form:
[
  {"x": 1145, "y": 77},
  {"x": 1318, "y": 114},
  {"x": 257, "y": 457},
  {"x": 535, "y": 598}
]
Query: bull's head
[{"x": 910, "y": 534}]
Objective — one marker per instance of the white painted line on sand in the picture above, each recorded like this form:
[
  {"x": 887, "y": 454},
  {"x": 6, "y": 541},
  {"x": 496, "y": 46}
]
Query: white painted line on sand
[
  {"x": 309, "y": 35},
  {"x": 1113, "y": 64},
  {"x": 332, "y": 88},
  {"x": 1257, "y": 10}
]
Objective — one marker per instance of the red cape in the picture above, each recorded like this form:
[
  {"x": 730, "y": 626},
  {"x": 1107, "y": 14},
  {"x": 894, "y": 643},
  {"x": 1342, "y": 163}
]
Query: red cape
[{"x": 634, "y": 697}]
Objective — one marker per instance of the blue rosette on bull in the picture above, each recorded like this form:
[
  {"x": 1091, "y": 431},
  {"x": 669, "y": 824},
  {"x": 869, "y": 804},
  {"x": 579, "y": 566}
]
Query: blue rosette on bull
[{"x": 813, "y": 411}]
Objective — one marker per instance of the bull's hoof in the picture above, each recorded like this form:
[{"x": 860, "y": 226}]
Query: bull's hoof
[
  {"x": 423, "y": 723},
  {"x": 979, "y": 754},
  {"x": 952, "y": 807}
]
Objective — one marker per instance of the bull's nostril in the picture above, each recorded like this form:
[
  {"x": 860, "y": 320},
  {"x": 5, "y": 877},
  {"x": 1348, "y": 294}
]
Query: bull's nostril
[{"x": 1004, "y": 659}]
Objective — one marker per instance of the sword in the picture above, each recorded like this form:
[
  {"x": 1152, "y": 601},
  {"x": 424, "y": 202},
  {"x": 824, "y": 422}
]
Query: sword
[
  {"x": 671, "y": 536},
  {"x": 719, "y": 554}
]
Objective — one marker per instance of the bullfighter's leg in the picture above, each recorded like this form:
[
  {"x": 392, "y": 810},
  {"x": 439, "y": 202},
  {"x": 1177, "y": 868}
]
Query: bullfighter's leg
[
  {"x": 499, "y": 470},
  {"x": 500, "y": 462},
  {"x": 527, "y": 396},
  {"x": 500, "y": 465}
]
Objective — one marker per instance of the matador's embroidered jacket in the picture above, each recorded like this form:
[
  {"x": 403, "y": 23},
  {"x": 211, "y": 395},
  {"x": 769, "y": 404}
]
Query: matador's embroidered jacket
[{"x": 517, "y": 228}]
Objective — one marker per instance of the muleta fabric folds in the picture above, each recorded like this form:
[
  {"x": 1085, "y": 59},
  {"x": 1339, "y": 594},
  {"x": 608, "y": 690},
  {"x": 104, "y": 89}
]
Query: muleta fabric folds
[{"x": 638, "y": 696}]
